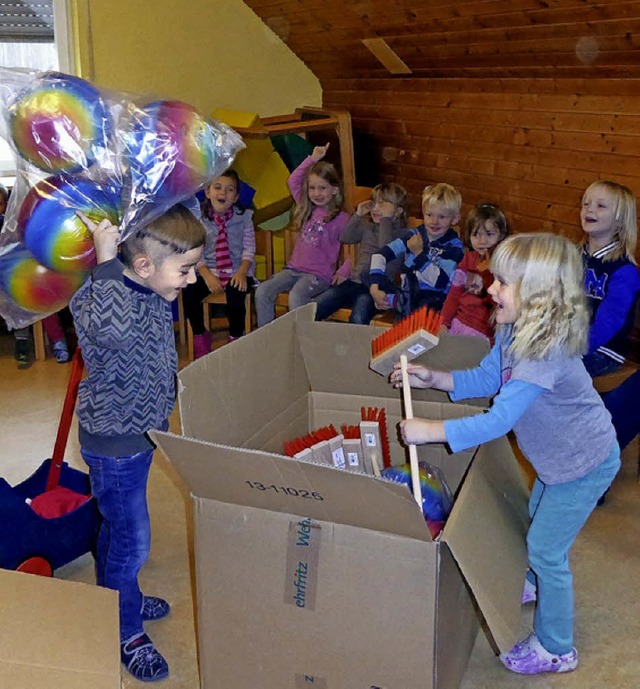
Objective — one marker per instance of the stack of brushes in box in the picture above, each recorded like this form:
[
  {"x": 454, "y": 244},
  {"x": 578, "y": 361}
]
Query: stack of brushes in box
[{"x": 363, "y": 448}]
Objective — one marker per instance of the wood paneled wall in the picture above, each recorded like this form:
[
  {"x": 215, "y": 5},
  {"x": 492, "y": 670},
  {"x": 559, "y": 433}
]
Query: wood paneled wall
[{"x": 530, "y": 145}]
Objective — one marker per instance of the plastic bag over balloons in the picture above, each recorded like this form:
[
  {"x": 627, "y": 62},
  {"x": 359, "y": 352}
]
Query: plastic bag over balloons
[{"x": 79, "y": 148}]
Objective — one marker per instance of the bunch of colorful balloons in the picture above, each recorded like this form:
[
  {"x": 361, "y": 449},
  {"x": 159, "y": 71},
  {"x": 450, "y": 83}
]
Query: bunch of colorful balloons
[{"x": 79, "y": 149}]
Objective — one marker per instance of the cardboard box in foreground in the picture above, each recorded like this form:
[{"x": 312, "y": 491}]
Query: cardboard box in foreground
[
  {"x": 308, "y": 576},
  {"x": 57, "y": 634}
]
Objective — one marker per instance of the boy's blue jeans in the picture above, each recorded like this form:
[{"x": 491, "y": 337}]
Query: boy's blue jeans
[
  {"x": 348, "y": 294},
  {"x": 558, "y": 512},
  {"x": 119, "y": 485}
]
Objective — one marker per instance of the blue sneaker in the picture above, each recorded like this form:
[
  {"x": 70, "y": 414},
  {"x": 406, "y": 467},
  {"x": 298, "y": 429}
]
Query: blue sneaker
[
  {"x": 142, "y": 659},
  {"x": 154, "y": 608},
  {"x": 61, "y": 352}
]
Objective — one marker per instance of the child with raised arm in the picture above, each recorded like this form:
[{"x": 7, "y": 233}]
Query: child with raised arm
[
  {"x": 124, "y": 323},
  {"x": 374, "y": 224},
  {"x": 319, "y": 221},
  {"x": 546, "y": 396},
  {"x": 611, "y": 279},
  {"x": 430, "y": 254},
  {"x": 227, "y": 263},
  {"x": 468, "y": 306}
]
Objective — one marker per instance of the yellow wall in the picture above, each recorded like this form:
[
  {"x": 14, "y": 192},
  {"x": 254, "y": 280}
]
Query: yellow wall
[{"x": 209, "y": 53}]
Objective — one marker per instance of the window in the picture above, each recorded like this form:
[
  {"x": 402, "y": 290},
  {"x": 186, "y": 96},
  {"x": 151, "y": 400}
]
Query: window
[{"x": 26, "y": 40}]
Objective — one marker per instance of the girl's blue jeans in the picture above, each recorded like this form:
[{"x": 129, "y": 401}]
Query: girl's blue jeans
[
  {"x": 347, "y": 295},
  {"x": 119, "y": 485},
  {"x": 302, "y": 288},
  {"x": 558, "y": 512}
]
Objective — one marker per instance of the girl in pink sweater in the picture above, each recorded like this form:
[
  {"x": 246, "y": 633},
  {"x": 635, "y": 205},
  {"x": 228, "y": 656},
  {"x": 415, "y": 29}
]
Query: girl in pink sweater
[{"x": 319, "y": 220}]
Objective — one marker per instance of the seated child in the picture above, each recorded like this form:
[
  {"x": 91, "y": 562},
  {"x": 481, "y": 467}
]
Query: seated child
[
  {"x": 431, "y": 253},
  {"x": 611, "y": 279},
  {"x": 468, "y": 306},
  {"x": 374, "y": 224},
  {"x": 227, "y": 262},
  {"x": 319, "y": 220}
]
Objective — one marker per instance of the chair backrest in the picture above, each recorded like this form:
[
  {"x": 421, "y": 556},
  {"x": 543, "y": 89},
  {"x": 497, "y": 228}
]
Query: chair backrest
[
  {"x": 361, "y": 194},
  {"x": 264, "y": 247}
]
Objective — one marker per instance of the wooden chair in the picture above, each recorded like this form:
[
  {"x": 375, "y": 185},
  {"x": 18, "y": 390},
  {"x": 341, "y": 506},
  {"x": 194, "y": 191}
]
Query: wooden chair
[
  {"x": 263, "y": 248},
  {"x": 39, "y": 341}
]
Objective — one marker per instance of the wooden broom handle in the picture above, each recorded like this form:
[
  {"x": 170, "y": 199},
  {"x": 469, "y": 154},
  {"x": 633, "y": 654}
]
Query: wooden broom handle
[{"x": 413, "y": 450}]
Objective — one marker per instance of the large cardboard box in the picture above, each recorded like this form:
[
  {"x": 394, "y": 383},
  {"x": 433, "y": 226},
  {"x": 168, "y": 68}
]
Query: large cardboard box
[
  {"x": 310, "y": 576},
  {"x": 56, "y": 634}
]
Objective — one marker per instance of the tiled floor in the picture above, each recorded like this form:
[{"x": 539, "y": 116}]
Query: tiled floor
[{"x": 606, "y": 557}]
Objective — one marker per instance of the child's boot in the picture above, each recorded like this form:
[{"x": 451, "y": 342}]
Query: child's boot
[
  {"x": 201, "y": 345},
  {"x": 61, "y": 352},
  {"x": 142, "y": 659}
]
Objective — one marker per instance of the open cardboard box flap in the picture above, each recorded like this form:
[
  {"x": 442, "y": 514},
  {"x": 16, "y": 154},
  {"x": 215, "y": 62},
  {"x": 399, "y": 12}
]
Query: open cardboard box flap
[
  {"x": 267, "y": 481},
  {"x": 57, "y": 634},
  {"x": 486, "y": 533},
  {"x": 285, "y": 360},
  {"x": 349, "y": 373}
]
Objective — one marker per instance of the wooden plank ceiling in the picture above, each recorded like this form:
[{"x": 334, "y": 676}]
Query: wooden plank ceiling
[{"x": 461, "y": 38}]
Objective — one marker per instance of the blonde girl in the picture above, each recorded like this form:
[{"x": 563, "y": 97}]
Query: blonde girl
[
  {"x": 318, "y": 219},
  {"x": 611, "y": 279},
  {"x": 546, "y": 396},
  {"x": 468, "y": 306}
]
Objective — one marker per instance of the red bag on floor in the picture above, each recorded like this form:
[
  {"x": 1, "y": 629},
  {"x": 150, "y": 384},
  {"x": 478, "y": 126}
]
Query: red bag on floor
[{"x": 57, "y": 502}]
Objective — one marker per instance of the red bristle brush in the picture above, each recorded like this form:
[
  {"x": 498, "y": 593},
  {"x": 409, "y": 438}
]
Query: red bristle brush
[
  {"x": 412, "y": 336},
  {"x": 350, "y": 432},
  {"x": 379, "y": 415}
]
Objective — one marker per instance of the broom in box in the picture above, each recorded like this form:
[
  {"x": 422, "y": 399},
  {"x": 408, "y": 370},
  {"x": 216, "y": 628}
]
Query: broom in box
[{"x": 408, "y": 339}]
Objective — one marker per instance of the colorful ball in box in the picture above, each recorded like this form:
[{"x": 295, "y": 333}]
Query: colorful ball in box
[{"x": 436, "y": 497}]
